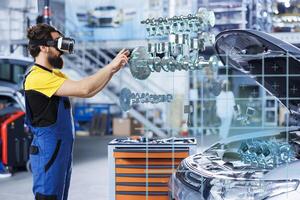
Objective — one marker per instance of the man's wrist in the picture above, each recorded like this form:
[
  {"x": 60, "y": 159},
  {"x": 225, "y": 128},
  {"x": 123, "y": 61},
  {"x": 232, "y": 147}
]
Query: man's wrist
[{"x": 110, "y": 68}]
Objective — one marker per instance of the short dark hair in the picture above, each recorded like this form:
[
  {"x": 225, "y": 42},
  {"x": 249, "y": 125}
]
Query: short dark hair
[{"x": 39, "y": 32}]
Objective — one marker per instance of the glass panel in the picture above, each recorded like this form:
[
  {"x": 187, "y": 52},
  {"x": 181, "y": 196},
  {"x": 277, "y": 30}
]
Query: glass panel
[
  {"x": 18, "y": 73},
  {"x": 5, "y": 71}
]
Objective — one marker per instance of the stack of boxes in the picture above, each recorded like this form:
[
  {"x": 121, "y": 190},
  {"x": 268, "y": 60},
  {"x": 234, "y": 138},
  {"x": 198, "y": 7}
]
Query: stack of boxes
[{"x": 126, "y": 127}]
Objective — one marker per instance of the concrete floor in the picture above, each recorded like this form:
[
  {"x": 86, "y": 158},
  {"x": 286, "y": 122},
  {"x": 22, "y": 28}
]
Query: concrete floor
[
  {"x": 90, "y": 172},
  {"x": 89, "y": 179}
]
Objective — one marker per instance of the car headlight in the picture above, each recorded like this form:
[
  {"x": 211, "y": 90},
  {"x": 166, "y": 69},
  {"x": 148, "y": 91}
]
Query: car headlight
[
  {"x": 188, "y": 178},
  {"x": 250, "y": 189},
  {"x": 193, "y": 180}
]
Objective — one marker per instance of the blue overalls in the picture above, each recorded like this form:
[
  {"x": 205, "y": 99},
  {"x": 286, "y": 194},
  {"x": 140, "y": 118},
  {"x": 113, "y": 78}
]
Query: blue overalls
[{"x": 51, "y": 154}]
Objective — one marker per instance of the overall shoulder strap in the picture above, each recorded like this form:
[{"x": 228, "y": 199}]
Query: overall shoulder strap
[{"x": 27, "y": 110}]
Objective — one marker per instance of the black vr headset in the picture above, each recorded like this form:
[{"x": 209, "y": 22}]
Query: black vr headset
[{"x": 62, "y": 44}]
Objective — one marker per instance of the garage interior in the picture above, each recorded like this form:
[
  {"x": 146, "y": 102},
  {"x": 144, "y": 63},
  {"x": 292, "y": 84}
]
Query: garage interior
[{"x": 207, "y": 106}]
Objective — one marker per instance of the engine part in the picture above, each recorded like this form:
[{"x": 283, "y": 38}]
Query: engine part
[
  {"x": 142, "y": 63},
  {"x": 266, "y": 154},
  {"x": 138, "y": 63},
  {"x": 202, "y": 21},
  {"x": 128, "y": 98},
  {"x": 244, "y": 119},
  {"x": 237, "y": 110},
  {"x": 181, "y": 52}
]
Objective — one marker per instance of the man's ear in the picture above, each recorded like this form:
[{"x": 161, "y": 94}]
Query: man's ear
[{"x": 44, "y": 49}]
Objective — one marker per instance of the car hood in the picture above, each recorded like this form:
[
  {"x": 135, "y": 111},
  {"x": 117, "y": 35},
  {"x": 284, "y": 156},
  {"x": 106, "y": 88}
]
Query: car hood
[{"x": 273, "y": 63}]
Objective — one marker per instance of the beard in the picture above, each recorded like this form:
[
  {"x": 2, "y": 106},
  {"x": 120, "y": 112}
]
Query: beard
[{"x": 56, "y": 61}]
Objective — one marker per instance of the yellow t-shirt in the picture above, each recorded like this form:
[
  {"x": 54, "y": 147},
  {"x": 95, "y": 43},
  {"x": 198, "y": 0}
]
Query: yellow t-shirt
[
  {"x": 40, "y": 86},
  {"x": 44, "y": 81}
]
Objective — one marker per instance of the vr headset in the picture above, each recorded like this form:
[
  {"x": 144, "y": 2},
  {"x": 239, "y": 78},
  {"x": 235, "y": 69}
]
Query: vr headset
[{"x": 62, "y": 44}]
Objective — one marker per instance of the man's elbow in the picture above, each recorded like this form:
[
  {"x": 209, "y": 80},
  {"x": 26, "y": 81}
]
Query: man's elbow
[
  {"x": 88, "y": 95},
  {"x": 84, "y": 92},
  {"x": 92, "y": 94}
]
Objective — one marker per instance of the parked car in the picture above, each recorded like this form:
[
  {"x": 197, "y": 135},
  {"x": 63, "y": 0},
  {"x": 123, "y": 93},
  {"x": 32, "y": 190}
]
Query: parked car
[
  {"x": 13, "y": 68},
  {"x": 15, "y": 137},
  {"x": 11, "y": 96},
  {"x": 259, "y": 165},
  {"x": 103, "y": 16}
]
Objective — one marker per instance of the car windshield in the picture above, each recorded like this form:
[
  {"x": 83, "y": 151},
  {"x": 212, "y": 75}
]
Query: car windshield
[
  {"x": 100, "y": 8},
  {"x": 110, "y": 8},
  {"x": 104, "y": 8},
  {"x": 234, "y": 104},
  {"x": 12, "y": 70}
]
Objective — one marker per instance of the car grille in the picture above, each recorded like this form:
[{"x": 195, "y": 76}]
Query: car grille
[{"x": 105, "y": 20}]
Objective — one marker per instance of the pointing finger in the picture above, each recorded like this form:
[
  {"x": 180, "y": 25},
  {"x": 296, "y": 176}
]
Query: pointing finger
[
  {"x": 121, "y": 52},
  {"x": 127, "y": 52}
]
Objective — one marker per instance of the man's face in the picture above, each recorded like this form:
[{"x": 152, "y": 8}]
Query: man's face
[{"x": 54, "y": 56}]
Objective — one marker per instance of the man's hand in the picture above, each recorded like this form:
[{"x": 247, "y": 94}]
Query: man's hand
[{"x": 119, "y": 61}]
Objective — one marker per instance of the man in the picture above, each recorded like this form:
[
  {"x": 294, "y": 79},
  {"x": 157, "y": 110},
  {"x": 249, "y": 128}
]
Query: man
[
  {"x": 209, "y": 104},
  {"x": 48, "y": 112},
  {"x": 225, "y": 109}
]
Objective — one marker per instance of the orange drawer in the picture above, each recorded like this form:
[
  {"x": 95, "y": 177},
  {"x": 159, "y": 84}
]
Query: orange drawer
[
  {"x": 143, "y": 171},
  {"x": 151, "y": 155},
  {"x": 143, "y": 179},
  {"x": 153, "y": 161},
  {"x": 140, "y": 197},
  {"x": 141, "y": 188}
]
